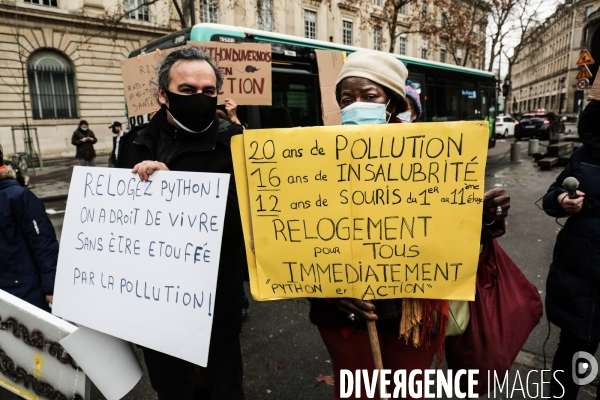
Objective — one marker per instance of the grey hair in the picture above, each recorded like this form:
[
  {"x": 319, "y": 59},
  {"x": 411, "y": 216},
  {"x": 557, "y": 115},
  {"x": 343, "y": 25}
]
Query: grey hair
[{"x": 191, "y": 53}]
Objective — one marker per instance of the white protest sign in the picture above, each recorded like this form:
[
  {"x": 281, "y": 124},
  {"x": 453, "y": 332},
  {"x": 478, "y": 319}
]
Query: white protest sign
[
  {"x": 32, "y": 362},
  {"x": 109, "y": 362},
  {"x": 139, "y": 260}
]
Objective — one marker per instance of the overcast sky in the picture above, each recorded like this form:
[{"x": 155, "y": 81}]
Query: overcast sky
[{"x": 544, "y": 12}]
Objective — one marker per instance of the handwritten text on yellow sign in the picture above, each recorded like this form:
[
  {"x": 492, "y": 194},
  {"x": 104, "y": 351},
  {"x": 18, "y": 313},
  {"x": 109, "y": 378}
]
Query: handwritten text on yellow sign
[{"x": 371, "y": 212}]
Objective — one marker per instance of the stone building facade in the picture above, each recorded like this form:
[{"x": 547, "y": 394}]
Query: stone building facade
[
  {"x": 59, "y": 59},
  {"x": 544, "y": 76},
  {"x": 59, "y": 63}
]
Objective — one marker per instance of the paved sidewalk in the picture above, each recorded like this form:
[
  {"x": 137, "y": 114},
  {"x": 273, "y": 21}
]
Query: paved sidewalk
[{"x": 52, "y": 182}]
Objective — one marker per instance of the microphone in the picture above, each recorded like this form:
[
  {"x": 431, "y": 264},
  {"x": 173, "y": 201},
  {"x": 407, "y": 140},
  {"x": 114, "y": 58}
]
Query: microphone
[{"x": 571, "y": 184}]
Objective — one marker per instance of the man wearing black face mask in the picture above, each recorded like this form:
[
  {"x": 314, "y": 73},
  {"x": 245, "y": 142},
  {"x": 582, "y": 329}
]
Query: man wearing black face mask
[{"x": 186, "y": 135}]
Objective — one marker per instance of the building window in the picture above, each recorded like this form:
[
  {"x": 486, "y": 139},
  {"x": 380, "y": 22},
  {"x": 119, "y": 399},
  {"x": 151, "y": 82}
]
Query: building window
[
  {"x": 589, "y": 10},
  {"x": 51, "y": 86},
  {"x": 265, "y": 15},
  {"x": 459, "y": 56},
  {"x": 443, "y": 55},
  {"x": 51, "y": 3},
  {"x": 136, "y": 9},
  {"x": 404, "y": 9},
  {"x": 377, "y": 3},
  {"x": 377, "y": 38},
  {"x": 402, "y": 40},
  {"x": 209, "y": 11},
  {"x": 347, "y": 32},
  {"x": 424, "y": 51},
  {"x": 310, "y": 24}
]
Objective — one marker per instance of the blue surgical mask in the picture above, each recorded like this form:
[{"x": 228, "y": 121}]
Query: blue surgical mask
[
  {"x": 405, "y": 117},
  {"x": 363, "y": 113},
  {"x": 84, "y": 129}
]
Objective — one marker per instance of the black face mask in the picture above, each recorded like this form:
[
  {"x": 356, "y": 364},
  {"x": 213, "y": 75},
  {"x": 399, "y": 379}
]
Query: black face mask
[
  {"x": 194, "y": 113},
  {"x": 114, "y": 130}
]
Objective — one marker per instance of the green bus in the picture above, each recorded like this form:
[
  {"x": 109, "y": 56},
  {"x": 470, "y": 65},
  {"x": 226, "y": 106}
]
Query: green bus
[{"x": 448, "y": 92}]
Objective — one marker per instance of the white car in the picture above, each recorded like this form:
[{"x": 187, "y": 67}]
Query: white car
[{"x": 505, "y": 126}]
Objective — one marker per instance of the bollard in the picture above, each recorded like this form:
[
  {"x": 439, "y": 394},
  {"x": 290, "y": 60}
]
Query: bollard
[
  {"x": 534, "y": 146},
  {"x": 515, "y": 152}
]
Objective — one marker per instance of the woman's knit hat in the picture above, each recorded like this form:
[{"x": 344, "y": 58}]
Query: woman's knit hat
[
  {"x": 414, "y": 96},
  {"x": 381, "y": 68}
]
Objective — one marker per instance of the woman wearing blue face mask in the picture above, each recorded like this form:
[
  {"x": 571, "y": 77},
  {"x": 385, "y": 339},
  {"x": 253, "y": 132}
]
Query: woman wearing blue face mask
[
  {"x": 368, "y": 95},
  {"x": 371, "y": 90}
]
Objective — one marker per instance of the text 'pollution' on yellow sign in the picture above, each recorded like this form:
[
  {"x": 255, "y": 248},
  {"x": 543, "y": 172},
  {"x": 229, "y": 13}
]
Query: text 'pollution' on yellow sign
[{"x": 370, "y": 212}]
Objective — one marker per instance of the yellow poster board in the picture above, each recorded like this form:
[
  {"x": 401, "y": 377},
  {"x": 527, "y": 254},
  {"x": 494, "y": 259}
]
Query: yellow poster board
[{"x": 370, "y": 212}]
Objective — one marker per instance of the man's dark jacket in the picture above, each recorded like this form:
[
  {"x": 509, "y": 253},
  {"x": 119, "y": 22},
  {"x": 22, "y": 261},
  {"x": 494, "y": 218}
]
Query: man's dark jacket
[
  {"x": 28, "y": 245},
  {"x": 199, "y": 152},
  {"x": 573, "y": 284},
  {"x": 85, "y": 150}
]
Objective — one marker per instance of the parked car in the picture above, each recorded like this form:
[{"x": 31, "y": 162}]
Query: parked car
[
  {"x": 505, "y": 126},
  {"x": 538, "y": 125}
]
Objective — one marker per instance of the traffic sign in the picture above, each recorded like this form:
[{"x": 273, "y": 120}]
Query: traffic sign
[
  {"x": 584, "y": 73},
  {"x": 583, "y": 84},
  {"x": 585, "y": 58}
]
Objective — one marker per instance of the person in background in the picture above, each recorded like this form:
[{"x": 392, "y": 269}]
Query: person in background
[
  {"x": 84, "y": 139},
  {"x": 370, "y": 89},
  {"x": 572, "y": 295},
  {"x": 117, "y": 129},
  {"x": 186, "y": 135},
  {"x": 413, "y": 110},
  {"x": 28, "y": 245}
]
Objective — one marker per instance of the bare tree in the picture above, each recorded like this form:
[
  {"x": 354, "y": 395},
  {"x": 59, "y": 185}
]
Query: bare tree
[
  {"x": 503, "y": 13},
  {"x": 461, "y": 28},
  {"x": 396, "y": 25}
]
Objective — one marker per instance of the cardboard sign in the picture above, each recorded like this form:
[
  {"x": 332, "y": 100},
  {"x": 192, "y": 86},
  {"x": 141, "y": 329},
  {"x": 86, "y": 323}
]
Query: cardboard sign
[
  {"x": 246, "y": 69},
  {"x": 330, "y": 64},
  {"x": 585, "y": 58},
  {"x": 370, "y": 212},
  {"x": 140, "y": 82},
  {"x": 33, "y": 364},
  {"x": 139, "y": 260}
]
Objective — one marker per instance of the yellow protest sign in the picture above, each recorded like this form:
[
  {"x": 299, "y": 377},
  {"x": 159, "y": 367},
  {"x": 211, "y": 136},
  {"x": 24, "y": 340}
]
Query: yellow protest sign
[{"x": 370, "y": 212}]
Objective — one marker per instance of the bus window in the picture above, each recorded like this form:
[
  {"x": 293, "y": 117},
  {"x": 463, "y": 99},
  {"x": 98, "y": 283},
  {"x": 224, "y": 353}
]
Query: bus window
[
  {"x": 453, "y": 104},
  {"x": 296, "y": 101}
]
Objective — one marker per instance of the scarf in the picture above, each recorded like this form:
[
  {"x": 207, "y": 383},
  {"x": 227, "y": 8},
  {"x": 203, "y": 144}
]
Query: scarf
[{"x": 418, "y": 323}]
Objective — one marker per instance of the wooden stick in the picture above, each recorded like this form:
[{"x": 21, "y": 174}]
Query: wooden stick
[{"x": 375, "y": 350}]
